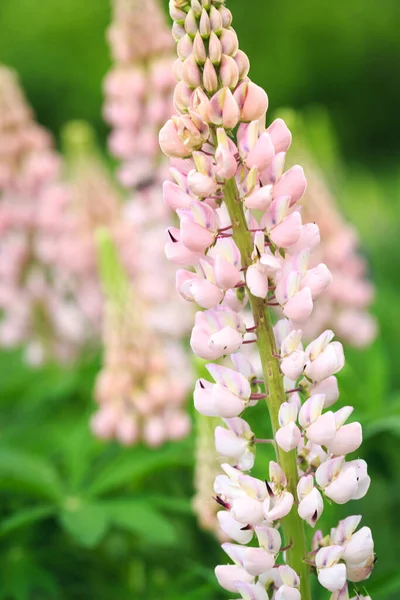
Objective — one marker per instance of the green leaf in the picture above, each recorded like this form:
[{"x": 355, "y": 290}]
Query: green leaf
[
  {"x": 24, "y": 579},
  {"x": 139, "y": 517},
  {"x": 86, "y": 523},
  {"x": 388, "y": 584},
  {"x": 387, "y": 424},
  {"x": 171, "y": 504},
  {"x": 79, "y": 449},
  {"x": 130, "y": 466},
  {"x": 27, "y": 473},
  {"x": 24, "y": 518}
]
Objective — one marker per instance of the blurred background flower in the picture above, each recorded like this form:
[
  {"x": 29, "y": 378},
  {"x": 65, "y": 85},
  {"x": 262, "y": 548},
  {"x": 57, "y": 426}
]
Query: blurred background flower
[{"x": 84, "y": 518}]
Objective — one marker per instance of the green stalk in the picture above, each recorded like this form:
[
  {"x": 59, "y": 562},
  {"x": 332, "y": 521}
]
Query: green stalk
[{"x": 292, "y": 525}]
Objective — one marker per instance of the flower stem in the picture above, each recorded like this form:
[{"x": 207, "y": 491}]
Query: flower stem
[{"x": 292, "y": 524}]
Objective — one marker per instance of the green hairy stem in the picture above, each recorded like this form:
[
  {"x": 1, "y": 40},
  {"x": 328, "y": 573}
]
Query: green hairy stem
[{"x": 292, "y": 524}]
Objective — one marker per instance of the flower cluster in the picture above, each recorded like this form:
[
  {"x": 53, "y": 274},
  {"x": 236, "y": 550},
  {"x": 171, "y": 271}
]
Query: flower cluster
[
  {"x": 138, "y": 390},
  {"x": 344, "y": 306},
  {"x": 242, "y": 247},
  {"x": 139, "y": 87},
  {"x": 39, "y": 300},
  {"x": 207, "y": 467}
]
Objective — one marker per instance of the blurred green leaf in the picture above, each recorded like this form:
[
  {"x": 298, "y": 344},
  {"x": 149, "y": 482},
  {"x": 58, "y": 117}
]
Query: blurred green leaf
[
  {"x": 136, "y": 463},
  {"x": 388, "y": 584},
  {"x": 87, "y": 523},
  {"x": 389, "y": 424},
  {"x": 25, "y": 517},
  {"x": 25, "y": 579},
  {"x": 28, "y": 473},
  {"x": 141, "y": 518}
]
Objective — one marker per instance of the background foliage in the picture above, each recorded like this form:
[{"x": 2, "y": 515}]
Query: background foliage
[{"x": 80, "y": 519}]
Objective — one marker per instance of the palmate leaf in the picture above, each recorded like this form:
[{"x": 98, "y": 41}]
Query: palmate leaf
[
  {"x": 29, "y": 474},
  {"x": 388, "y": 424},
  {"x": 24, "y": 579},
  {"x": 87, "y": 523},
  {"x": 79, "y": 449},
  {"x": 25, "y": 517},
  {"x": 132, "y": 465},
  {"x": 139, "y": 517}
]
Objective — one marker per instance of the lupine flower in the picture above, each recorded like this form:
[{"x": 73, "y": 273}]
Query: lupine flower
[
  {"x": 138, "y": 394},
  {"x": 345, "y": 305},
  {"x": 237, "y": 175},
  {"x": 138, "y": 93},
  {"x": 46, "y": 307},
  {"x": 207, "y": 467}
]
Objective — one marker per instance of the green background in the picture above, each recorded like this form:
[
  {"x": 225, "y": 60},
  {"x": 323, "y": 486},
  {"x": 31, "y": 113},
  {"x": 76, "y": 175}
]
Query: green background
[{"x": 80, "y": 519}]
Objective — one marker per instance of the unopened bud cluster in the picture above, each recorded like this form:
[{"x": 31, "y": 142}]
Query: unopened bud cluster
[{"x": 242, "y": 244}]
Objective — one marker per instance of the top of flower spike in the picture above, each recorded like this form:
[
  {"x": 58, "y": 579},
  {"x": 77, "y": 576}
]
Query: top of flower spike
[{"x": 138, "y": 30}]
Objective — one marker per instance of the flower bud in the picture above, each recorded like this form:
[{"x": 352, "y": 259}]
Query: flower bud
[
  {"x": 190, "y": 24},
  {"x": 292, "y": 366},
  {"x": 226, "y": 16},
  {"x": 243, "y": 64},
  {"x": 178, "y": 31},
  {"x": 199, "y": 50},
  {"x": 347, "y": 439},
  {"x": 233, "y": 528},
  {"x": 247, "y": 510},
  {"x": 311, "y": 507},
  {"x": 329, "y": 362},
  {"x": 329, "y": 388},
  {"x": 223, "y": 109},
  {"x": 175, "y": 197},
  {"x": 194, "y": 236},
  {"x": 252, "y": 101},
  {"x": 226, "y": 341},
  {"x": 260, "y": 199},
  {"x": 300, "y": 306},
  {"x": 286, "y": 592},
  {"x": 226, "y": 274},
  {"x": 170, "y": 141},
  {"x": 360, "y": 572},
  {"x": 360, "y": 547},
  {"x": 214, "y": 49},
  {"x": 292, "y": 183},
  {"x": 191, "y": 74},
  {"x": 344, "y": 487},
  {"x": 228, "y": 575},
  {"x": 323, "y": 430},
  {"x": 201, "y": 185},
  {"x": 176, "y": 13},
  {"x": 200, "y": 104},
  {"x": 317, "y": 279},
  {"x": 185, "y": 47},
  {"x": 288, "y": 437},
  {"x": 182, "y": 97},
  {"x": 280, "y": 135},
  {"x": 257, "y": 281},
  {"x": 228, "y": 72},
  {"x": 269, "y": 538},
  {"x": 257, "y": 561},
  {"x": 215, "y": 20},
  {"x": 204, "y": 25},
  {"x": 333, "y": 578},
  {"x": 261, "y": 154},
  {"x": 196, "y": 7}
]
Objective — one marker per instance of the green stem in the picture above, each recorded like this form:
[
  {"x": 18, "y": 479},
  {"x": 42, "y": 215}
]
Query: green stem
[{"x": 292, "y": 525}]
